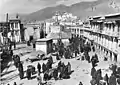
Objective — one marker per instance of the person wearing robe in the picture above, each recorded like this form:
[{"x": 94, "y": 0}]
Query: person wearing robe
[
  {"x": 69, "y": 67},
  {"x": 20, "y": 69},
  {"x": 46, "y": 76},
  {"x": 51, "y": 59},
  {"x": 49, "y": 64},
  {"x": 98, "y": 76},
  {"x": 93, "y": 71},
  {"x": 55, "y": 74},
  {"x": 39, "y": 79},
  {"x": 11, "y": 53},
  {"x": 93, "y": 48},
  {"x": 44, "y": 68},
  {"x": 39, "y": 67},
  {"x": 106, "y": 78},
  {"x": 112, "y": 80},
  {"x": 118, "y": 81},
  {"x": 96, "y": 57},
  {"x": 59, "y": 65},
  {"x": 28, "y": 73},
  {"x": 114, "y": 67},
  {"x": 80, "y": 83},
  {"x": 62, "y": 70},
  {"x": 14, "y": 59},
  {"x": 15, "y": 83},
  {"x": 93, "y": 61}
]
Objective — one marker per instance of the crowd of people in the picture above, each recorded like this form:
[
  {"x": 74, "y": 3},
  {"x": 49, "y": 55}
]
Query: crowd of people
[{"x": 77, "y": 46}]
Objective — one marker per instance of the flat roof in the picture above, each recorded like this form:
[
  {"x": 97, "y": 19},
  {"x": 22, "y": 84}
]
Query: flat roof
[
  {"x": 115, "y": 14},
  {"x": 108, "y": 15},
  {"x": 44, "y": 39}
]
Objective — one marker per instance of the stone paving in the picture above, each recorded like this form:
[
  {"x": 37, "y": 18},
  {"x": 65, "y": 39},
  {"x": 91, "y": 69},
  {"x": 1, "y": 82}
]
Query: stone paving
[{"x": 81, "y": 70}]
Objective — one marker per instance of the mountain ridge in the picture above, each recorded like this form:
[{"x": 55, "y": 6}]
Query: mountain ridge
[{"x": 82, "y": 10}]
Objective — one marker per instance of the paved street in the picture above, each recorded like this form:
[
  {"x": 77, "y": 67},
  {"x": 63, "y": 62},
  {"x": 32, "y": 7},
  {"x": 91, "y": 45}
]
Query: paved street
[{"x": 81, "y": 70}]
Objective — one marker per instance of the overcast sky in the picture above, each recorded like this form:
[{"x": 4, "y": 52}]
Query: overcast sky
[{"x": 28, "y": 6}]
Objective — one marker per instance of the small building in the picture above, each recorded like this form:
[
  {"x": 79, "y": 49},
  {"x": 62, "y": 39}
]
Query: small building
[
  {"x": 44, "y": 44},
  {"x": 32, "y": 31}
]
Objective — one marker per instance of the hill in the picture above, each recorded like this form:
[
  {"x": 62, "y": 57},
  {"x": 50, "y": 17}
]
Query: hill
[{"x": 82, "y": 10}]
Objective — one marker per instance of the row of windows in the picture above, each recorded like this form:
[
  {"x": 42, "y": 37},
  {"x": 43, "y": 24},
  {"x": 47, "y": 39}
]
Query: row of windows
[{"x": 12, "y": 25}]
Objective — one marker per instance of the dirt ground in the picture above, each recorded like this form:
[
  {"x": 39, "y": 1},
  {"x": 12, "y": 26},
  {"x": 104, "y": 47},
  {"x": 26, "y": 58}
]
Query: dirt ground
[{"x": 81, "y": 70}]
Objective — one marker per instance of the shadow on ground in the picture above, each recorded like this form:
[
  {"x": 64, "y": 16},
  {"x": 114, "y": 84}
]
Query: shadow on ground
[{"x": 7, "y": 73}]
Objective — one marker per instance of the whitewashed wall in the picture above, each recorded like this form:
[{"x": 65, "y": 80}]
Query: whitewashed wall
[{"x": 42, "y": 48}]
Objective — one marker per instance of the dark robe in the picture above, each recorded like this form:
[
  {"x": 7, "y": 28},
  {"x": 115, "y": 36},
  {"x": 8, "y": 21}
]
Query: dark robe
[
  {"x": 20, "y": 69},
  {"x": 118, "y": 81},
  {"x": 93, "y": 71},
  {"x": 51, "y": 59},
  {"x": 45, "y": 76},
  {"x": 114, "y": 67},
  {"x": 106, "y": 78},
  {"x": 39, "y": 67},
  {"x": 44, "y": 68},
  {"x": 112, "y": 80},
  {"x": 69, "y": 67},
  {"x": 55, "y": 74},
  {"x": 49, "y": 64},
  {"x": 28, "y": 74}
]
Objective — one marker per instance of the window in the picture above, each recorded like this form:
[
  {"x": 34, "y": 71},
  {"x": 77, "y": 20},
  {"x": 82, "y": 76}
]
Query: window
[
  {"x": 16, "y": 25},
  {"x": 12, "y": 25}
]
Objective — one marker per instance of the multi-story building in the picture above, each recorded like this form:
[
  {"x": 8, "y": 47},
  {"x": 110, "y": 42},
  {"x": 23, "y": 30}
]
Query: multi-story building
[
  {"x": 4, "y": 29},
  {"x": 15, "y": 28},
  {"x": 105, "y": 32}
]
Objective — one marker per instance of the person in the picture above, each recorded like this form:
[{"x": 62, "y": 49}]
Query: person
[
  {"x": 118, "y": 81},
  {"x": 93, "y": 48},
  {"x": 93, "y": 71},
  {"x": 55, "y": 74},
  {"x": 28, "y": 73},
  {"x": 20, "y": 69},
  {"x": 93, "y": 61},
  {"x": 39, "y": 79},
  {"x": 114, "y": 68},
  {"x": 96, "y": 57},
  {"x": 69, "y": 67},
  {"x": 14, "y": 59},
  {"x": 39, "y": 67},
  {"x": 49, "y": 64},
  {"x": 51, "y": 59},
  {"x": 106, "y": 78},
  {"x": 11, "y": 53},
  {"x": 14, "y": 43},
  {"x": 44, "y": 68},
  {"x": 80, "y": 83},
  {"x": 59, "y": 66},
  {"x": 15, "y": 83},
  {"x": 112, "y": 79},
  {"x": 45, "y": 77},
  {"x": 98, "y": 76}
]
